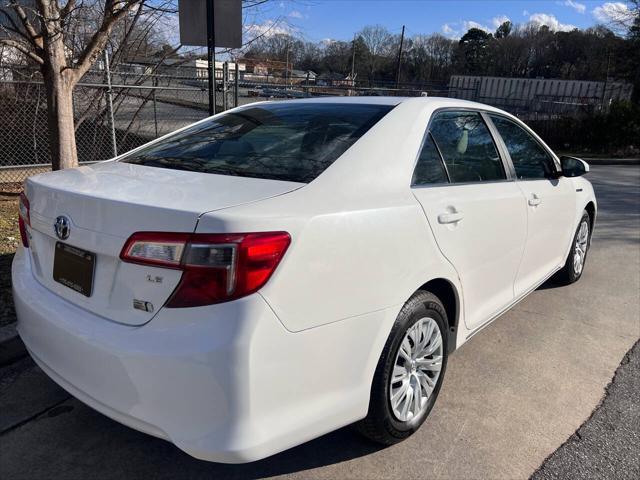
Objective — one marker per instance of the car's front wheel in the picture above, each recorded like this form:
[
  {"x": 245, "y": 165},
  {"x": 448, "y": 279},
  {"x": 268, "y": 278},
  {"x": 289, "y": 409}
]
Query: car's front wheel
[
  {"x": 574, "y": 266},
  {"x": 410, "y": 371}
]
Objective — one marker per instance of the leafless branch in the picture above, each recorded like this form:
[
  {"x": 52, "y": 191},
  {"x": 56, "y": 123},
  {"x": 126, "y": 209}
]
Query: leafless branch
[
  {"x": 24, "y": 19},
  {"x": 14, "y": 28},
  {"x": 22, "y": 48},
  {"x": 99, "y": 39},
  {"x": 68, "y": 8}
]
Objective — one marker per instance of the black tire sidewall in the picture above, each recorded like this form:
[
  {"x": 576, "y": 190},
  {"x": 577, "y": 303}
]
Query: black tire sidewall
[
  {"x": 427, "y": 306},
  {"x": 569, "y": 271}
]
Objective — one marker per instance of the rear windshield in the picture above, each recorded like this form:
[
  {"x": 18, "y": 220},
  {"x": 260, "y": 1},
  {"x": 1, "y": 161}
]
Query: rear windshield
[{"x": 281, "y": 141}]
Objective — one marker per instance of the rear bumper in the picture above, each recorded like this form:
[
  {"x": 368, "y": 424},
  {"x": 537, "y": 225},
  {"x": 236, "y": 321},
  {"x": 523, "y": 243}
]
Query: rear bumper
[{"x": 226, "y": 383}]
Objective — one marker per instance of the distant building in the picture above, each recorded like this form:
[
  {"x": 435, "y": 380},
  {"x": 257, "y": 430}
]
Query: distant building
[
  {"x": 333, "y": 79},
  {"x": 539, "y": 95},
  {"x": 261, "y": 69},
  {"x": 201, "y": 69},
  {"x": 257, "y": 67},
  {"x": 301, "y": 76}
]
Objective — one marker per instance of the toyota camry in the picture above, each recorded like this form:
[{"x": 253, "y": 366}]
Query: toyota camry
[{"x": 283, "y": 269}]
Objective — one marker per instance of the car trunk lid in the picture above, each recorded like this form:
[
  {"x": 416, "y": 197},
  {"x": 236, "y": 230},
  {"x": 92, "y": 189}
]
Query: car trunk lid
[{"x": 104, "y": 204}]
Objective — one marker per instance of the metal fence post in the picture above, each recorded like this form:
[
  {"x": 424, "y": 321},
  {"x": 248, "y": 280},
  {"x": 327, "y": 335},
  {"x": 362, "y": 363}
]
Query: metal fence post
[
  {"x": 112, "y": 125},
  {"x": 155, "y": 106},
  {"x": 35, "y": 118},
  {"x": 235, "y": 87},
  {"x": 225, "y": 81}
]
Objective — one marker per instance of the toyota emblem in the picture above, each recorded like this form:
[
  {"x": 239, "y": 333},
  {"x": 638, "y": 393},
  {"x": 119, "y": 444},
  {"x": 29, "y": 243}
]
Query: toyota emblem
[{"x": 62, "y": 227}]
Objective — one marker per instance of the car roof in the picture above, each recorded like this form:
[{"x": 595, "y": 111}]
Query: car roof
[{"x": 386, "y": 100}]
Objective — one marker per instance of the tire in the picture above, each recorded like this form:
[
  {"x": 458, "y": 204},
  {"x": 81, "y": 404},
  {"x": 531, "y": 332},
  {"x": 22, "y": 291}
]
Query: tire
[
  {"x": 570, "y": 273},
  {"x": 388, "y": 425}
]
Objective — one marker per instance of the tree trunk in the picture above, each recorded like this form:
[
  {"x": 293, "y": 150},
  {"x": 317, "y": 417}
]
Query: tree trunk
[
  {"x": 59, "y": 81},
  {"x": 62, "y": 139}
]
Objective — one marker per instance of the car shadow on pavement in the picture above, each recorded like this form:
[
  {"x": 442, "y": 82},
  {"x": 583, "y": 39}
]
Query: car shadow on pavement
[
  {"x": 109, "y": 450},
  {"x": 335, "y": 447}
]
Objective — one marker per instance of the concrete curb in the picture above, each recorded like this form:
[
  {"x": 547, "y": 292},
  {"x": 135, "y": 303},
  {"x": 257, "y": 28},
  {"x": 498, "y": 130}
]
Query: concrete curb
[
  {"x": 11, "y": 346},
  {"x": 612, "y": 161}
]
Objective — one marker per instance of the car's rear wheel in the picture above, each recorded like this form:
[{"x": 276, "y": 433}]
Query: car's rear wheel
[
  {"x": 410, "y": 371},
  {"x": 574, "y": 266}
]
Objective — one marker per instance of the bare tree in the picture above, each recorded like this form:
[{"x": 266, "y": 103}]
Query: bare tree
[
  {"x": 64, "y": 38},
  {"x": 619, "y": 16},
  {"x": 45, "y": 32},
  {"x": 378, "y": 41}
]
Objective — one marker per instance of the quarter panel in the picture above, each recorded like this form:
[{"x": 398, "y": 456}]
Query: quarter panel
[
  {"x": 360, "y": 241},
  {"x": 342, "y": 263},
  {"x": 584, "y": 195},
  {"x": 351, "y": 263}
]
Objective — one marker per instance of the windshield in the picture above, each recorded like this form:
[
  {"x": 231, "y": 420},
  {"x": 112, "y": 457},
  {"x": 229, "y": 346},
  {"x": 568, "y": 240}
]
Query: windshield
[{"x": 282, "y": 141}]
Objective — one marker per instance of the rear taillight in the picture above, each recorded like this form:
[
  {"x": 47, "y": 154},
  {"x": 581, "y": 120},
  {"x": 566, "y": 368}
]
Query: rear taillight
[
  {"x": 216, "y": 267},
  {"x": 24, "y": 218}
]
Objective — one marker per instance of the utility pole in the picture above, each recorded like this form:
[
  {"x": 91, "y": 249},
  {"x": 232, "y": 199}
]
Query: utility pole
[
  {"x": 353, "y": 57},
  {"x": 353, "y": 65},
  {"x": 211, "y": 57},
  {"x": 606, "y": 80},
  {"x": 286, "y": 72},
  {"x": 399, "y": 58}
]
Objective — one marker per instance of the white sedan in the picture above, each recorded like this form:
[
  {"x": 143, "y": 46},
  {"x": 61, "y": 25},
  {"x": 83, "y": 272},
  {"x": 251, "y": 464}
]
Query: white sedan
[{"x": 283, "y": 269}]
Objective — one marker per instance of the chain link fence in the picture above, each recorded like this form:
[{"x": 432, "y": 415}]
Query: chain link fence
[
  {"x": 136, "y": 106},
  {"x": 109, "y": 119}
]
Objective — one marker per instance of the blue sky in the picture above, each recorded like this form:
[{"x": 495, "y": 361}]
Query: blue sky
[{"x": 317, "y": 20}]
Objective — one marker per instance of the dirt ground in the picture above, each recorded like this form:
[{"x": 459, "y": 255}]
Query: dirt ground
[{"x": 9, "y": 238}]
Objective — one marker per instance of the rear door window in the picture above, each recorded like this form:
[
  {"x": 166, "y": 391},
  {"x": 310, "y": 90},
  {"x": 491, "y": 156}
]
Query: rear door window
[
  {"x": 282, "y": 141},
  {"x": 467, "y": 148},
  {"x": 429, "y": 169}
]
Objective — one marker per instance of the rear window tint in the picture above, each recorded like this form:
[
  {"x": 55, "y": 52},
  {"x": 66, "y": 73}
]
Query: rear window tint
[
  {"x": 429, "y": 168},
  {"x": 281, "y": 141}
]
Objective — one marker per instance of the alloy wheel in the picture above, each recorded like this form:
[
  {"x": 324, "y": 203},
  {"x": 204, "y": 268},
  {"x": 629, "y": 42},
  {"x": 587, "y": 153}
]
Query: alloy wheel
[
  {"x": 580, "y": 249},
  {"x": 416, "y": 369}
]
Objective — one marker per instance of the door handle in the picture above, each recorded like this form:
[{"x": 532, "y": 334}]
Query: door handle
[
  {"x": 453, "y": 217},
  {"x": 534, "y": 201}
]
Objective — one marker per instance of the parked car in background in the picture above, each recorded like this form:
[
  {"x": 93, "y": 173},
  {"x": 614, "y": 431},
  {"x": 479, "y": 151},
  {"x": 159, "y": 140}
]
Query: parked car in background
[
  {"x": 282, "y": 93},
  {"x": 284, "y": 269}
]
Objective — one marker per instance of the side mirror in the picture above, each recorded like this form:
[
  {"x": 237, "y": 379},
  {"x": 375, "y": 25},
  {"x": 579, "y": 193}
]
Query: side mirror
[{"x": 573, "y": 167}]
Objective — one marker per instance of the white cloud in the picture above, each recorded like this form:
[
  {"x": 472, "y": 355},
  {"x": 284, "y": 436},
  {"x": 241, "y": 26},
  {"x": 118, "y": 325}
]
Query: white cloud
[
  {"x": 448, "y": 29},
  {"x": 296, "y": 14},
  {"x": 268, "y": 28},
  {"x": 540, "y": 19},
  {"x": 467, "y": 24},
  {"x": 499, "y": 20},
  {"x": 452, "y": 30},
  {"x": 455, "y": 30},
  {"x": 616, "y": 12},
  {"x": 578, "y": 7}
]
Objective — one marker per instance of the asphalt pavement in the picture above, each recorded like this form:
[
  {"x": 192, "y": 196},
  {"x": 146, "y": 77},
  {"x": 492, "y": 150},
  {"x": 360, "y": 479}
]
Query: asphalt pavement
[
  {"x": 511, "y": 402},
  {"x": 607, "y": 445}
]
